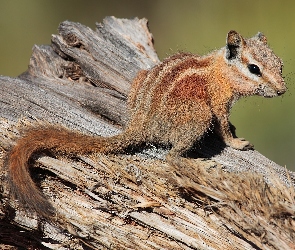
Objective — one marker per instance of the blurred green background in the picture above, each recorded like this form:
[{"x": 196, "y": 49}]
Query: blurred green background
[{"x": 196, "y": 26}]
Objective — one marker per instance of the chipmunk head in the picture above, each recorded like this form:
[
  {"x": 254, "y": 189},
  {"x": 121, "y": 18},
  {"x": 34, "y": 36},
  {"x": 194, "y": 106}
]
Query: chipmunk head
[{"x": 255, "y": 67}]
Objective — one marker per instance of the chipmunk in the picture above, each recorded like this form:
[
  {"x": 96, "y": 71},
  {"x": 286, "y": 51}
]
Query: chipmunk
[{"x": 174, "y": 103}]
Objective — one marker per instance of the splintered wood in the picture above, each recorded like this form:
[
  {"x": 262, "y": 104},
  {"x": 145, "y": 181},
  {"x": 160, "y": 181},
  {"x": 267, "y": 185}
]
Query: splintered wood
[{"x": 135, "y": 201}]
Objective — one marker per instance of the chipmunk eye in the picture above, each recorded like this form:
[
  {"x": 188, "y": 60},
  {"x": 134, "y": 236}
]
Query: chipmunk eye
[{"x": 254, "y": 69}]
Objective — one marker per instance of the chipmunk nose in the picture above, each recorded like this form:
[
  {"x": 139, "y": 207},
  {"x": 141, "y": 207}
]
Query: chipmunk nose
[{"x": 282, "y": 89}]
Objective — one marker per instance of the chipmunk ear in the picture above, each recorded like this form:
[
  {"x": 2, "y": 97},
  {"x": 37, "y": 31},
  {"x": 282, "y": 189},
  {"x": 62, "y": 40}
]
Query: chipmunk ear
[
  {"x": 234, "y": 45},
  {"x": 261, "y": 37}
]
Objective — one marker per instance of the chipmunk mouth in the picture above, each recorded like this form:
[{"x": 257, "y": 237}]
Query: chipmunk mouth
[
  {"x": 269, "y": 92},
  {"x": 279, "y": 92}
]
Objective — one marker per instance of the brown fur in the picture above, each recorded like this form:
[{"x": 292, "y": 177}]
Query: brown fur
[{"x": 174, "y": 103}]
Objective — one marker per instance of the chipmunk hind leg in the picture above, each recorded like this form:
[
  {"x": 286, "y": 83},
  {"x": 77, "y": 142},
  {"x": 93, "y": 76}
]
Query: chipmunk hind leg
[{"x": 184, "y": 137}]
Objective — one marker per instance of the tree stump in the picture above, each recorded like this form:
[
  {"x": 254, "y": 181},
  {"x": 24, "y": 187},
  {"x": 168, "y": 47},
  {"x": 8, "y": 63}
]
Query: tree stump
[{"x": 223, "y": 199}]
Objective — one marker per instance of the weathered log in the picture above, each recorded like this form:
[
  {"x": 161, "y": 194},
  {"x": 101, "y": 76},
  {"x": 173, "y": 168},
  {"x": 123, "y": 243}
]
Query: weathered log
[{"x": 227, "y": 199}]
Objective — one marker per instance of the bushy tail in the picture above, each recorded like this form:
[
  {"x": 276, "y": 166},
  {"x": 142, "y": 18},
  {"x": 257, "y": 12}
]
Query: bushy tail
[{"x": 22, "y": 186}]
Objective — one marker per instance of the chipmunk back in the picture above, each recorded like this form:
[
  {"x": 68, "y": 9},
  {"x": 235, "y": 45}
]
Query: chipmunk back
[{"x": 175, "y": 104}]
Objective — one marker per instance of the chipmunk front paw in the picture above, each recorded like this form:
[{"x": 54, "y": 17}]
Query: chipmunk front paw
[{"x": 239, "y": 143}]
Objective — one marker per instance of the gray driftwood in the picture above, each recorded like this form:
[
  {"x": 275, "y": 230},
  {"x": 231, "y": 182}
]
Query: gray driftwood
[{"x": 223, "y": 199}]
